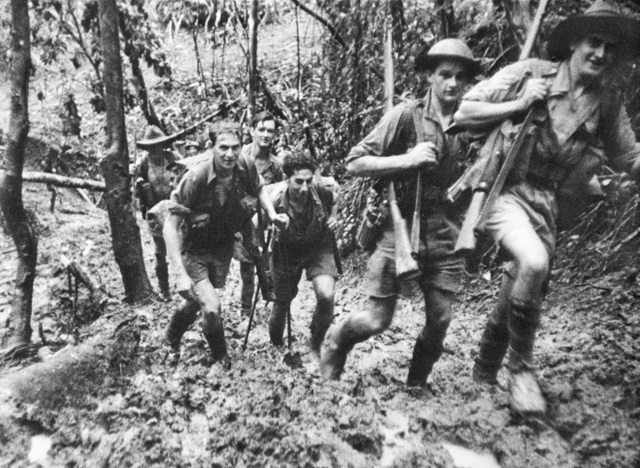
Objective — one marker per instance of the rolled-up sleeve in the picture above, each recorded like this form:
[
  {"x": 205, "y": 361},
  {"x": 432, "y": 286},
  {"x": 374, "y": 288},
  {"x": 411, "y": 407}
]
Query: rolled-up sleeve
[{"x": 500, "y": 87}]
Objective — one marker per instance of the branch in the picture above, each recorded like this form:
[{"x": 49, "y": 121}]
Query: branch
[
  {"x": 332, "y": 29},
  {"x": 62, "y": 181}
]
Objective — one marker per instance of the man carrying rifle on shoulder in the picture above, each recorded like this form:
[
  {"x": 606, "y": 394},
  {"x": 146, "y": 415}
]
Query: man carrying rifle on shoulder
[
  {"x": 393, "y": 151},
  {"x": 580, "y": 122},
  {"x": 306, "y": 244}
]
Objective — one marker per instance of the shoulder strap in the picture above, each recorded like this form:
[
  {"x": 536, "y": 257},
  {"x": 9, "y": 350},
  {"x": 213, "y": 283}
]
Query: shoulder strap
[{"x": 418, "y": 115}]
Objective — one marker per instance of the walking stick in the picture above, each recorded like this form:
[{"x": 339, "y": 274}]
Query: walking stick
[{"x": 285, "y": 259}]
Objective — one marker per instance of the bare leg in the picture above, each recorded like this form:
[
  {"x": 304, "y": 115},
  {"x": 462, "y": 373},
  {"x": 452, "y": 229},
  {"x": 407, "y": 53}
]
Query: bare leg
[
  {"x": 324, "y": 286},
  {"x": 358, "y": 327}
]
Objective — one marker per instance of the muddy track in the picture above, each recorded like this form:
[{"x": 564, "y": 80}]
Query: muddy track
[{"x": 272, "y": 409}]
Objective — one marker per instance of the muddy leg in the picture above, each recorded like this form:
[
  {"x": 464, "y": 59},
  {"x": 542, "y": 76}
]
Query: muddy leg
[
  {"x": 324, "y": 286},
  {"x": 429, "y": 345},
  {"x": 162, "y": 270},
  {"x": 247, "y": 273},
  {"x": 184, "y": 316},
  {"x": 278, "y": 321},
  {"x": 358, "y": 327},
  {"x": 212, "y": 328}
]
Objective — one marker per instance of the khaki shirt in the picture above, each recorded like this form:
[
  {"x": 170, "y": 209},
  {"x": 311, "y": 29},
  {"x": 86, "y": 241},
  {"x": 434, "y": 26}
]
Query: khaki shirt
[
  {"x": 198, "y": 192},
  {"x": 156, "y": 174},
  {"x": 577, "y": 133},
  {"x": 395, "y": 134}
]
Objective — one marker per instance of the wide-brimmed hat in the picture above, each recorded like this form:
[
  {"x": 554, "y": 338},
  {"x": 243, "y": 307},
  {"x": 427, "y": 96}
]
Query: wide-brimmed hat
[
  {"x": 153, "y": 137},
  {"x": 447, "y": 49},
  {"x": 600, "y": 18}
]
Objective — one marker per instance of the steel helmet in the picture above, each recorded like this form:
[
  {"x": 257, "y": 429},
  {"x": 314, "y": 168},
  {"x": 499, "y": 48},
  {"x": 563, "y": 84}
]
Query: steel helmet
[{"x": 447, "y": 49}]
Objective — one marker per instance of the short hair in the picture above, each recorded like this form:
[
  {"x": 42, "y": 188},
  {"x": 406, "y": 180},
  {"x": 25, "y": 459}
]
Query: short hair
[
  {"x": 221, "y": 127},
  {"x": 295, "y": 162},
  {"x": 261, "y": 117}
]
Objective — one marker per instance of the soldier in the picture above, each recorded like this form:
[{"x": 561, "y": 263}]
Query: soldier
[
  {"x": 306, "y": 244},
  {"x": 390, "y": 150},
  {"x": 581, "y": 122},
  {"x": 152, "y": 186},
  {"x": 221, "y": 193},
  {"x": 263, "y": 130}
]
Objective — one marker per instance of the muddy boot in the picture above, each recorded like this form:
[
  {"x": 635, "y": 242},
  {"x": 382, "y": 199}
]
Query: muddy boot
[
  {"x": 335, "y": 348},
  {"x": 495, "y": 338},
  {"x": 525, "y": 396},
  {"x": 278, "y": 322},
  {"x": 213, "y": 332},
  {"x": 493, "y": 347},
  {"x": 425, "y": 354},
  {"x": 185, "y": 315}
]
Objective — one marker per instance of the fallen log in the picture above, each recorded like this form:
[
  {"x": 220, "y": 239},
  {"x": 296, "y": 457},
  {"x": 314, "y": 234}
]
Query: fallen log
[
  {"x": 31, "y": 397},
  {"x": 62, "y": 181}
]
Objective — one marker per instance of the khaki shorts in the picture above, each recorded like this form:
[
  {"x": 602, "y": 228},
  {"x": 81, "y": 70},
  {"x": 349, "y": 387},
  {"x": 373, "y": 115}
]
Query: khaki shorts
[
  {"x": 211, "y": 265},
  {"x": 286, "y": 274},
  {"x": 524, "y": 207},
  {"x": 444, "y": 272}
]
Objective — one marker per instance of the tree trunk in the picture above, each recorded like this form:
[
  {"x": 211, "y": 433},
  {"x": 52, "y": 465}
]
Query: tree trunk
[
  {"x": 114, "y": 166},
  {"x": 447, "y": 18},
  {"x": 253, "y": 57},
  {"x": 13, "y": 210}
]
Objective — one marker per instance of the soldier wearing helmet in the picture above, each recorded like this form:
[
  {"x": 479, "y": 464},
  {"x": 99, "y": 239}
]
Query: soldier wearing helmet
[{"x": 392, "y": 151}]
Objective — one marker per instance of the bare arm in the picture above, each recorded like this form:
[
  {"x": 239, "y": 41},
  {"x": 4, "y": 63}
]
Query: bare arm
[
  {"x": 280, "y": 220},
  {"x": 422, "y": 155},
  {"x": 173, "y": 241},
  {"x": 476, "y": 114}
]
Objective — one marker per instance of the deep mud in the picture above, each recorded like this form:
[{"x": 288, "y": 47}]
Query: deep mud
[{"x": 272, "y": 409}]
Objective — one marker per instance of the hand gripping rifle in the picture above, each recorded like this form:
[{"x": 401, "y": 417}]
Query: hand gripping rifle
[
  {"x": 406, "y": 265},
  {"x": 482, "y": 202}
]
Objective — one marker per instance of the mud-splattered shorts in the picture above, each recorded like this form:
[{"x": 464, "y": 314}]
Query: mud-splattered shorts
[
  {"x": 288, "y": 265},
  {"x": 439, "y": 271},
  {"x": 212, "y": 265}
]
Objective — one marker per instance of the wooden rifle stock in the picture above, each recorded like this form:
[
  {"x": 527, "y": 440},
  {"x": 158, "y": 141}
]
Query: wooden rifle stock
[
  {"x": 481, "y": 202},
  {"x": 415, "y": 222},
  {"x": 406, "y": 265}
]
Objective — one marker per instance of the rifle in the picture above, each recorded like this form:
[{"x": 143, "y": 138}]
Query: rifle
[
  {"x": 481, "y": 202},
  {"x": 415, "y": 224},
  {"x": 406, "y": 265},
  {"x": 261, "y": 261}
]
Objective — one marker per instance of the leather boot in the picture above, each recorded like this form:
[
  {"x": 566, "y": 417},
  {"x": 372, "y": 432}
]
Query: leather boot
[
  {"x": 184, "y": 316},
  {"x": 213, "y": 332}
]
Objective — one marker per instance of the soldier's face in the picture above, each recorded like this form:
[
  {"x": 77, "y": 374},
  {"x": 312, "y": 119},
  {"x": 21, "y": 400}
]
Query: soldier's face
[
  {"x": 448, "y": 81},
  {"x": 592, "y": 56},
  {"x": 299, "y": 183},
  {"x": 263, "y": 133},
  {"x": 226, "y": 151}
]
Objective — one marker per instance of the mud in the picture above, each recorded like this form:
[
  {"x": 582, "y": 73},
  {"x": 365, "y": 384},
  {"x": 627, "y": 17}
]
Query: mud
[{"x": 272, "y": 409}]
